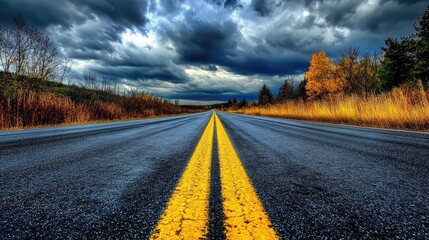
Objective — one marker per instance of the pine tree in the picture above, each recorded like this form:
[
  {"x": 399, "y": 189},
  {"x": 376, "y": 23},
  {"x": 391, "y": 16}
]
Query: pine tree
[
  {"x": 398, "y": 63},
  {"x": 242, "y": 103},
  {"x": 300, "y": 91},
  {"x": 286, "y": 92},
  {"x": 264, "y": 95},
  {"x": 421, "y": 69}
]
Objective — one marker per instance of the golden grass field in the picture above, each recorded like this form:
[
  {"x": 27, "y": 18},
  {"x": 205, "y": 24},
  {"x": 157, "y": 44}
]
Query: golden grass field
[{"x": 401, "y": 108}]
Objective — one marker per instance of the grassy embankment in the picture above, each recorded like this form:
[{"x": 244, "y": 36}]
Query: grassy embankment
[
  {"x": 401, "y": 108},
  {"x": 29, "y": 102}
]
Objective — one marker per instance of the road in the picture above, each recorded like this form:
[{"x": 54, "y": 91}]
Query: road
[{"x": 221, "y": 176}]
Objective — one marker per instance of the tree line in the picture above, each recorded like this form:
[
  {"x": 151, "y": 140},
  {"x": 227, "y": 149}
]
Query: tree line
[{"x": 404, "y": 60}]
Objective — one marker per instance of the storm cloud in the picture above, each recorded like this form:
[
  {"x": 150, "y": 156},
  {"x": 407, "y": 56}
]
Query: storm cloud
[{"x": 212, "y": 49}]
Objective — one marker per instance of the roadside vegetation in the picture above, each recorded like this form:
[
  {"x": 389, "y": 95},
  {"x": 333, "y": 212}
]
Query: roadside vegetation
[
  {"x": 27, "y": 102},
  {"x": 387, "y": 90},
  {"x": 32, "y": 92}
]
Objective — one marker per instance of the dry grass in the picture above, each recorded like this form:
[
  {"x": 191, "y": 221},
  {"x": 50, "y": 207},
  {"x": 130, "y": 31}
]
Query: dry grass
[
  {"x": 402, "y": 108},
  {"x": 30, "y": 109}
]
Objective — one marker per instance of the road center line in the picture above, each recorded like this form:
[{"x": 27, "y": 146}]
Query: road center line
[
  {"x": 186, "y": 214},
  {"x": 245, "y": 217}
]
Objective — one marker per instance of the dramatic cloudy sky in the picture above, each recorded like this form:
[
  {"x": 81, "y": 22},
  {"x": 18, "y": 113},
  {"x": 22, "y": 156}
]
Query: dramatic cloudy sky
[{"x": 209, "y": 50}]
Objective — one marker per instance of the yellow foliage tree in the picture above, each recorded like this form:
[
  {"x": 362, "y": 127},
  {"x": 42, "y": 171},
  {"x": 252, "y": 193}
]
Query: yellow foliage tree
[{"x": 322, "y": 82}]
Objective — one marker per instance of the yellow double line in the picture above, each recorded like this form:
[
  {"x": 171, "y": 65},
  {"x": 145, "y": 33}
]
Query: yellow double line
[{"x": 186, "y": 214}]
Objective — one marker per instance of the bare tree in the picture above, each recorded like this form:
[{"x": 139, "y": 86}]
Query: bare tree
[
  {"x": 46, "y": 52},
  {"x": 105, "y": 85},
  {"x": 7, "y": 48},
  {"x": 26, "y": 51},
  {"x": 90, "y": 80},
  {"x": 22, "y": 42},
  {"x": 64, "y": 71}
]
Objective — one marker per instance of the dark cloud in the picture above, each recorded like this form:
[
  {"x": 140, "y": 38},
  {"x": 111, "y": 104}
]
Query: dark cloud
[
  {"x": 204, "y": 42},
  {"x": 200, "y": 43},
  {"x": 226, "y": 3},
  {"x": 339, "y": 13},
  {"x": 83, "y": 29},
  {"x": 271, "y": 65},
  {"x": 166, "y": 6},
  {"x": 41, "y": 13},
  {"x": 92, "y": 40},
  {"x": 392, "y": 17},
  {"x": 386, "y": 16},
  {"x": 262, "y": 7},
  {"x": 128, "y": 13},
  {"x": 403, "y": 2},
  {"x": 141, "y": 73},
  {"x": 233, "y": 4},
  {"x": 162, "y": 73},
  {"x": 225, "y": 39}
]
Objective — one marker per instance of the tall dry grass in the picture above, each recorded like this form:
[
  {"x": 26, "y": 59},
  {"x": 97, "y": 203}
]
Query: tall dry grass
[
  {"x": 406, "y": 107},
  {"x": 26, "y": 108}
]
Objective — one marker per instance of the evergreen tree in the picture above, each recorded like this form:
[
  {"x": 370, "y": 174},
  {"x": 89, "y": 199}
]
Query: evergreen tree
[
  {"x": 398, "y": 63},
  {"x": 421, "y": 69},
  {"x": 300, "y": 91},
  {"x": 264, "y": 95},
  {"x": 286, "y": 92},
  {"x": 242, "y": 103}
]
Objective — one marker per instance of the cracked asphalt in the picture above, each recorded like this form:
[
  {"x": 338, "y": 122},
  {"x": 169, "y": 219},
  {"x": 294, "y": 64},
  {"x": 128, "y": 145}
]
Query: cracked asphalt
[{"x": 114, "y": 180}]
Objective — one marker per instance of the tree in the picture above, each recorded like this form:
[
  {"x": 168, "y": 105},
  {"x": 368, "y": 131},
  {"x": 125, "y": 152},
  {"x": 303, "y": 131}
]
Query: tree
[
  {"x": 90, "y": 81},
  {"x": 300, "y": 91},
  {"x": 398, "y": 62},
  {"x": 321, "y": 78},
  {"x": 346, "y": 69},
  {"x": 286, "y": 91},
  {"x": 367, "y": 71},
  {"x": 242, "y": 103},
  {"x": 359, "y": 73},
  {"x": 64, "y": 70},
  {"x": 7, "y": 48},
  {"x": 26, "y": 51},
  {"x": 22, "y": 44},
  {"x": 264, "y": 95},
  {"x": 421, "y": 69}
]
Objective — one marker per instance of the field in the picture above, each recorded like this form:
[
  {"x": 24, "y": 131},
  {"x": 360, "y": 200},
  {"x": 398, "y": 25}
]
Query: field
[{"x": 401, "y": 108}]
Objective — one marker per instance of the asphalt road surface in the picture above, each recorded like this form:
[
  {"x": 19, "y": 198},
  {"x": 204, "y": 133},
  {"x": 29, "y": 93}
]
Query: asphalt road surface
[{"x": 296, "y": 180}]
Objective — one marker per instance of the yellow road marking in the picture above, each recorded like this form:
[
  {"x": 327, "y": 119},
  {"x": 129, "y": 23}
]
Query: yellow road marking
[
  {"x": 245, "y": 217},
  {"x": 186, "y": 214}
]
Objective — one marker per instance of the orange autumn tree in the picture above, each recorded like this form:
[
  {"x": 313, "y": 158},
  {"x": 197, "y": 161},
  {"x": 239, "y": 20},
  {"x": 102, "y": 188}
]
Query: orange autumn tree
[{"x": 322, "y": 82}]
